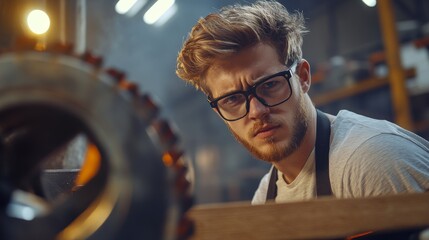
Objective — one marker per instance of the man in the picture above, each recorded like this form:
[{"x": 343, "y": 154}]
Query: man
[{"x": 248, "y": 61}]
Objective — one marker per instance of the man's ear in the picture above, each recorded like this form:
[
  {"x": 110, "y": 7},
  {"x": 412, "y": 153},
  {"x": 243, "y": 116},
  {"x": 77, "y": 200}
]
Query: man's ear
[{"x": 303, "y": 71}]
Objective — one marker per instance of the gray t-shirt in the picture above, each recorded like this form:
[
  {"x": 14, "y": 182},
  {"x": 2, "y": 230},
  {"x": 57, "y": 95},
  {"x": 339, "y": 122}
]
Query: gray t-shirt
[{"x": 367, "y": 157}]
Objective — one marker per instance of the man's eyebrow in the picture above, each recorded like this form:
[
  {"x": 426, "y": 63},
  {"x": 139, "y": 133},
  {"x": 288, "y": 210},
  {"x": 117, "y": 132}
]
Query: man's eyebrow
[
  {"x": 265, "y": 77},
  {"x": 260, "y": 78},
  {"x": 231, "y": 92}
]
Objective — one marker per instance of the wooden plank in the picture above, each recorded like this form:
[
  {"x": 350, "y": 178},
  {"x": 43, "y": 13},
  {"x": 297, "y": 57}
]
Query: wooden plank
[
  {"x": 355, "y": 89},
  {"x": 325, "y": 218}
]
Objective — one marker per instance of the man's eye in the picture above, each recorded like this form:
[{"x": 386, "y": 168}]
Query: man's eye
[
  {"x": 270, "y": 84},
  {"x": 232, "y": 100}
]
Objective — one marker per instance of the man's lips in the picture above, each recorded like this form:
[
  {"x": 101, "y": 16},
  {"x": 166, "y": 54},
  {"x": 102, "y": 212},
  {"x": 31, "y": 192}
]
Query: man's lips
[{"x": 265, "y": 131}]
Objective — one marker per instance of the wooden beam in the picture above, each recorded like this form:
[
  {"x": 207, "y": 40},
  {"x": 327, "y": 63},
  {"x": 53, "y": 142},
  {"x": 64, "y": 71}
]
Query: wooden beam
[
  {"x": 324, "y": 218},
  {"x": 398, "y": 89},
  {"x": 355, "y": 89}
]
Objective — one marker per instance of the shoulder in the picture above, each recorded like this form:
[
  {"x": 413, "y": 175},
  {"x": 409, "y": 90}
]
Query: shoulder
[
  {"x": 350, "y": 121},
  {"x": 391, "y": 149},
  {"x": 374, "y": 157},
  {"x": 379, "y": 137},
  {"x": 387, "y": 163},
  {"x": 352, "y": 132}
]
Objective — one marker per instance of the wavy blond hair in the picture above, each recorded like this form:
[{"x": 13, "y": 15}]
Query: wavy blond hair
[{"x": 234, "y": 28}]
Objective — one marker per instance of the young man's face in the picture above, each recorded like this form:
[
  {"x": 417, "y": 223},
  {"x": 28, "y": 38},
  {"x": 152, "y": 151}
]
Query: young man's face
[{"x": 269, "y": 133}]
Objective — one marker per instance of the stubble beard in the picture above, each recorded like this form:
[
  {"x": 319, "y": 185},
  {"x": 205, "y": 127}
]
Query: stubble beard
[{"x": 277, "y": 152}]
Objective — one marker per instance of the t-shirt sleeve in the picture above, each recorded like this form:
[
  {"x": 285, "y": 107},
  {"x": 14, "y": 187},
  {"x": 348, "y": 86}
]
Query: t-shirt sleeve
[{"x": 386, "y": 164}]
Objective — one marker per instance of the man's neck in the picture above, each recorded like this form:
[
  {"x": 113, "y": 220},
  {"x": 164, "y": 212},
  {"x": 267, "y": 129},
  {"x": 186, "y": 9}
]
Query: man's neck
[{"x": 293, "y": 164}]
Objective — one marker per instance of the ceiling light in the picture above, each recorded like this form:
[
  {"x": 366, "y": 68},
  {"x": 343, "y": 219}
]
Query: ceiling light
[
  {"x": 158, "y": 9},
  {"x": 123, "y": 6},
  {"x": 370, "y": 3}
]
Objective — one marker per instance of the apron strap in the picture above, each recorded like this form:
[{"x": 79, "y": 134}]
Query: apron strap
[{"x": 272, "y": 186}]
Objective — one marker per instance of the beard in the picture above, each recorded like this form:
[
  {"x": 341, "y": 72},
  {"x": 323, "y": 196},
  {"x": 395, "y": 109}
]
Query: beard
[{"x": 277, "y": 152}]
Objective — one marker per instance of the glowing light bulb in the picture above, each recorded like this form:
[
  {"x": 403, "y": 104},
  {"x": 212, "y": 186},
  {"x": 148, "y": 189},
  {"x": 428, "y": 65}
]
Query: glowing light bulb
[
  {"x": 38, "y": 21},
  {"x": 370, "y": 3}
]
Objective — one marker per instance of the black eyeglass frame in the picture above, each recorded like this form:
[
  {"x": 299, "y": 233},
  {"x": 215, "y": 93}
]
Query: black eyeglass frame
[{"x": 287, "y": 74}]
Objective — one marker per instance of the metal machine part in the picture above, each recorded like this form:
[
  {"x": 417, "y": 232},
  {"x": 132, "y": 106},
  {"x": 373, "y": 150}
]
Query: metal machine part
[{"x": 46, "y": 100}]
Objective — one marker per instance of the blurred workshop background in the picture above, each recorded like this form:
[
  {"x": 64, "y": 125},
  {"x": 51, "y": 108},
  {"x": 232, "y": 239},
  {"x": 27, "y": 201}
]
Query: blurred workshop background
[{"x": 346, "y": 47}]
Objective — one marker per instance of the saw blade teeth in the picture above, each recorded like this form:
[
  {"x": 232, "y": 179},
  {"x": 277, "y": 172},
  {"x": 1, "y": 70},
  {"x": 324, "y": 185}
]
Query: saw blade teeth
[
  {"x": 171, "y": 157},
  {"x": 129, "y": 86},
  {"x": 166, "y": 137},
  {"x": 116, "y": 74},
  {"x": 150, "y": 109},
  {"x": 92, "y": 59},
  {"x": 64, "y": 48},
  {"x": 24, "y": 43}
]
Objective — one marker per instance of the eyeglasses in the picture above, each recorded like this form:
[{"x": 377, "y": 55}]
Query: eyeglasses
[{"x": 270, "y": 91}]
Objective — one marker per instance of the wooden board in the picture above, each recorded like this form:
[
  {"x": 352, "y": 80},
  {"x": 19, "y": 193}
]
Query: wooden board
[{"x": 316, "y": 219}]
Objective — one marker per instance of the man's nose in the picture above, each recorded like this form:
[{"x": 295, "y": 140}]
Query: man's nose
[{"x": 256, "y": 108}]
